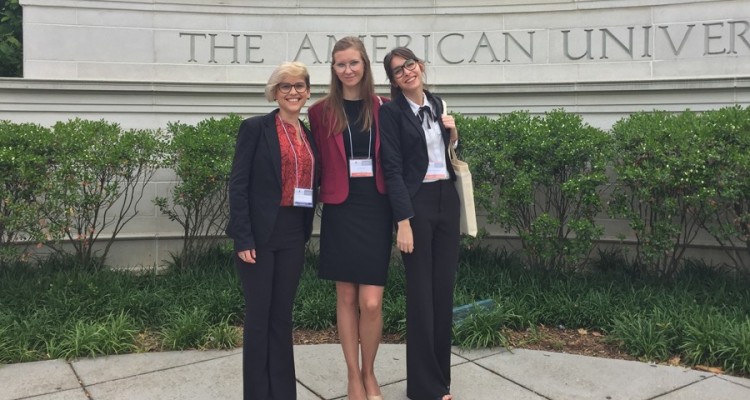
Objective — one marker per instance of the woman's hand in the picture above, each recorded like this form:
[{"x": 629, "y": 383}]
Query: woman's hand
[
  {"x": 404, "y": 236},
  {"x": 450, "y": 125},
  {"x": 247, "y": 256}
]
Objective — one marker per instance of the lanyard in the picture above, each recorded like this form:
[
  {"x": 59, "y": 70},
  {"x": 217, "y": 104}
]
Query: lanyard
[
  {"x": 351, "y": 144},
  {"x": 294, "y": 152}
]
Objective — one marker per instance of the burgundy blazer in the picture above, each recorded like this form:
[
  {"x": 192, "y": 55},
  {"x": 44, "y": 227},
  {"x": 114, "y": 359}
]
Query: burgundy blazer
[{"x": 334, "y": 179}]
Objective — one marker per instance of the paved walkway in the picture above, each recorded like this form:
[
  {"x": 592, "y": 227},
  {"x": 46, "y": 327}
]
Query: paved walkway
[{"x": 489, "y": 374}]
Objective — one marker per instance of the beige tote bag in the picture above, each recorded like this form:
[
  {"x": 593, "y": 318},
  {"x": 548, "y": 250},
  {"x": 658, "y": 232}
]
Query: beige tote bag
[{"x": 465, "y": 189}]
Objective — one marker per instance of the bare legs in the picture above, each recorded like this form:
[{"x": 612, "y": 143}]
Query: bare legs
[{"x": 359, "y": 316}]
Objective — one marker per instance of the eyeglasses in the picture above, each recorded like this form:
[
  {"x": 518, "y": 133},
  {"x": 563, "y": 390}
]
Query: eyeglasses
[
  {"x": 353, "y": 65},
  {"x": 300, "y": 87},
  {"x": 410, "y": 64}
]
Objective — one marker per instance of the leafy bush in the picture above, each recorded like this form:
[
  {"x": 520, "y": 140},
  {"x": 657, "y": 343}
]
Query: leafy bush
[
  {"x": 11, "y": 36},
  {"x": 662, "y": 167},
  {"x": 96, "y": 181},
  {"x": 25, "y": 152},
  {"x": 201, "y": 155},
  {"x": 541, "y": 178},
  {"x": 728, "y": 182}
]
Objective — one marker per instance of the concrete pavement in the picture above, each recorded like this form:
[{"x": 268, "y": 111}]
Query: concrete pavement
[{"x": 487, "y": 374}]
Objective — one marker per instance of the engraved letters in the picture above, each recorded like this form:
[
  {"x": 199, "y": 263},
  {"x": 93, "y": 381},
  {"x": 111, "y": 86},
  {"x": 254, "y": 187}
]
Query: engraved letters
[{"x": 621, "y": 43}]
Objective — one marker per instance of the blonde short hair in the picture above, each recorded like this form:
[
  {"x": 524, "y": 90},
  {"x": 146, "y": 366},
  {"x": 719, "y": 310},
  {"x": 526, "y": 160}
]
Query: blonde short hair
[{"x": 293, "y": 69}]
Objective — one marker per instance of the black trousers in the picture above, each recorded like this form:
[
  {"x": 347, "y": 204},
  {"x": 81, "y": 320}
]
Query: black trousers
[
  {"x": 430, "y": 278},
  {"x": 270, "y": 286}
]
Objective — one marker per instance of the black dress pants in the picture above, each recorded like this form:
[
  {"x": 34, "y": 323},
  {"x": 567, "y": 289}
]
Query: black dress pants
[
  {"x": 269, "y": 287},
  {"x": 430, "y": 278}
]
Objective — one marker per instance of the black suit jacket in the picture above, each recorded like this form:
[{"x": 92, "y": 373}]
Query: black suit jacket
[
  {"x": 255, "y": 183},
  {"x": 404, "y": 152}
]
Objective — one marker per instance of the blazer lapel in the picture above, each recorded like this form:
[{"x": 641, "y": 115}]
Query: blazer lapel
[
  {"x": 413, "y": 119},
  {"x": 439, "y": 112},
  {"x": 274, "y": 148}
]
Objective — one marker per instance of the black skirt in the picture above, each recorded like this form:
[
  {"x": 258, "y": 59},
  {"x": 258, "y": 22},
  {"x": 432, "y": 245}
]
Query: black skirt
[{"x": 356, "y": 236}]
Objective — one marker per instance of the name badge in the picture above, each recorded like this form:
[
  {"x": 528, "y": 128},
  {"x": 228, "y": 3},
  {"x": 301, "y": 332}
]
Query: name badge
[
  {"x": 303, "y": 197},
  {"x": 436, "y": 171},
  {"x": 360, "y": 167}
]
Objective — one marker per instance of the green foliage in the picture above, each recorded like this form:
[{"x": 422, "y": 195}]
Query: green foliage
[
  {"x": 201, "y": 156},
  {"x": 61, "y": 311},
  {"x": 727, "y": 184},
  {"x": 315, "y": 304},
  {"x": 663, "y": 164},
  {"x": 483, "y": 328},
  {"x": 114, "y": 335},
  {"x": 11, "y": 37},
  {"x": 96, "y": 180},
  {"x": 650, "y": 336},
  {"x": 186, "y": 329},
  {"x": 540, "y": 177},
  {"x": 712, "y": 337},
  {"x": 25, "y": 152},
  {"x": 223, "y": 335}
]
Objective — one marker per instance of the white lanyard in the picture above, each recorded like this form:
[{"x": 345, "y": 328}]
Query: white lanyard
[{"x": 351, "y": 143}]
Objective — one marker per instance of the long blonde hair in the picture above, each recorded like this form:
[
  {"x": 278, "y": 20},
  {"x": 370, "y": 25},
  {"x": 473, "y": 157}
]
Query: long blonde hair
[{"x": 334, "y": 101}]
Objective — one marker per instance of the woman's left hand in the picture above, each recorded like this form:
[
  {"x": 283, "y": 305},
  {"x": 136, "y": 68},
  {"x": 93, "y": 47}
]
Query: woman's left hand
[{"x": 450, "y": 125}]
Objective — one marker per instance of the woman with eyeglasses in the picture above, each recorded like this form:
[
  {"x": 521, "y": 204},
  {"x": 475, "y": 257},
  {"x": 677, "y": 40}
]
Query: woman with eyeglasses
[
  {"x": 419, "y": 178},
  {"x": 356, "y": 232},
  {"x": 271, "y": 197}
]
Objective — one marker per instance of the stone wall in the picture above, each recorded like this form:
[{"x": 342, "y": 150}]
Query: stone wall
[{"x": 144, "y": 63}]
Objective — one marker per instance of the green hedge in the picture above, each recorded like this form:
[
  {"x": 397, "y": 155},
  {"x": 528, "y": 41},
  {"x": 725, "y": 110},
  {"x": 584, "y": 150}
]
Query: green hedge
[
  {"x": 546, "y": 178},
  {"x": 540, "y": 177},
  {"x": 672, "y": 174},
  {"x": 201, "y": 155}
]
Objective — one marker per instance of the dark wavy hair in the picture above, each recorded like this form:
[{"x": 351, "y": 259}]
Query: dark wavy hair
[{"x": 403, "y": 52}]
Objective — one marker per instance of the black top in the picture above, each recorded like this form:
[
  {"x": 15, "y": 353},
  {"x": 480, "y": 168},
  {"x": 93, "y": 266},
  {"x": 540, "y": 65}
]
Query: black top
[{"x": 360, "y": 137}]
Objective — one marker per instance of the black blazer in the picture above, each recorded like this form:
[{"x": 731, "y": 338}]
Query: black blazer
[
  {"x": 255, "y": 183},
  {"x": 404, "y": 152}
]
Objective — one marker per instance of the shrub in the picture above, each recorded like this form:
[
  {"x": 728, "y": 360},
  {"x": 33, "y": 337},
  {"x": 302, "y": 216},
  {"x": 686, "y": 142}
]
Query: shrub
[
  {"x": 25, "y": 152},
  {"x": 201, "y": 156},
  {"x": 541, "y": 178},
  {"x": 660, "y": 189},
  {"x": 727, "y": 153},
  {"x": 97, "y": 179},
  {"x": 11, "y": 36}
]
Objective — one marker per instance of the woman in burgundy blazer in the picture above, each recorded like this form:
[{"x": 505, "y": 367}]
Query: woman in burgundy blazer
[
  {"x": 356, "y": 231},
  {"x": 334, "y": 179}
]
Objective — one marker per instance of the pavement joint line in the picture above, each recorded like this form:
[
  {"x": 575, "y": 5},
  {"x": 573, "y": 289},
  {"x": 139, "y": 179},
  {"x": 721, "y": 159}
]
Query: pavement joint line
[
  {"x": 36, "y": 396},
  {"x": 702, "y": 378},
  {"x": 512, "y": 381},
  {"x": 723, "y": 378},
  {"x": 309, "y": 389},
  {"x": 151, "y": 372},
  {"x": 80, "y": 381}
]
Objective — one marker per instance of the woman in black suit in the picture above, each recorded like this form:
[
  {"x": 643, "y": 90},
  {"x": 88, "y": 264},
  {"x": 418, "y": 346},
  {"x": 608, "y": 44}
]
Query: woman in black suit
[
  {"x": 271, "y": 198},
  {"x": 419, "y": 179}
]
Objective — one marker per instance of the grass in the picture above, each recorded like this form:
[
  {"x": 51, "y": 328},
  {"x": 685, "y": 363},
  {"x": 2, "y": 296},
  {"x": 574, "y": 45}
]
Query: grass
[{"x": 58, "y": 310}]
